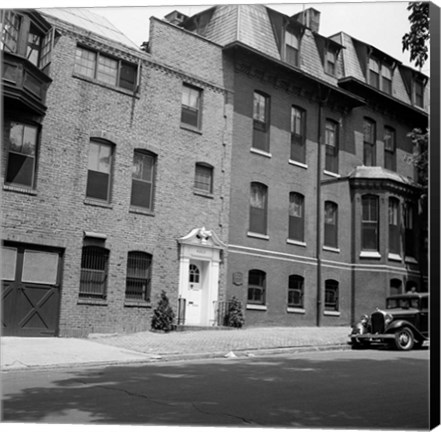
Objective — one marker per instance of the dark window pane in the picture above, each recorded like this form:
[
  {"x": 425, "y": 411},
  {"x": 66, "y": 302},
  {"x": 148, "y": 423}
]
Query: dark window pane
[
  {"x": 127, "y": 77},
  {"x": 20, "y": 169},
  {"x": 256, "y": 287},
  {"x": 141, "y": 194},
  {"x": 296, "y": 217},
  {"x": 258, "y": 208},
  {"x": 97, "y": 185}
]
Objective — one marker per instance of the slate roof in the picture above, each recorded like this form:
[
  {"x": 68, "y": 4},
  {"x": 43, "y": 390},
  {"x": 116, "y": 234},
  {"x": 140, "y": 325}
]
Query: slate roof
[
  {"x": 91, "y": 22},
  {"x": 379, "y": 173}
]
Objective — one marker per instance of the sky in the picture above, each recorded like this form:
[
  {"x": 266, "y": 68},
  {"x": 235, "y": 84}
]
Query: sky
[{"x": 381, "y": 24}]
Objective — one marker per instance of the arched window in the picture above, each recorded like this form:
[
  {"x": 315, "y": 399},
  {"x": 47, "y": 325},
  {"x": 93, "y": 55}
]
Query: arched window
[
  {"x": 258, "y": 208},
  {"x": 256, "y": 287},
  {"x": 331, "y": 295},
  {"x": 331, "y": 224},
  {"x": 138, "y": 276},
  {"x": 295, "y": 291},
  {"x": 296, "y": 225},
  {"x": 194, "y": 274},
  {"x": 94, "y": 269},
  {"x": 143, "y": 179}
]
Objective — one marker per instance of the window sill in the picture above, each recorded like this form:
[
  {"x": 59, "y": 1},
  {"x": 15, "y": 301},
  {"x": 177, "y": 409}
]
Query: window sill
[
  {"x": 331, "y": 249},
  {"x": 331, "y": 174},
  {"x": 331, "y": 313},
  {"x": 19, "y": 189},
  {"x": 191, "y": 128},
  {"x": 296, "y": 242},
  {"x": 105, "y": 85},
  {"x": 394, "y": 257},
  {"x": 372, "y": 254},
  {"x": 299, "y": 164},
  {"x": 92, "y": 301},
  {"x": 410, "y": 260},
  {"x": 296, "y": 310},
  {"x": 261, "y": 152},
  {"x": 138, "y": 210},
  {"x": 94, "y": 203},
  {"x": 203, "y": 193},
  {"x": 256, "y": 307},
  {"x": 257, "y": 235},
  {"x": 137, "y": 303}
]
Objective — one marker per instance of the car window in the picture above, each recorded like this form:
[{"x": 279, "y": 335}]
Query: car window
[
  {"x": 391, "y": 304},
  {"x": 414, "y": 303}
]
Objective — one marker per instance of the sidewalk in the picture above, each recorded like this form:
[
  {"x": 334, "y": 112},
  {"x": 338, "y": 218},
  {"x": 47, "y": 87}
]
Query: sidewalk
[{"x": 32, "y": 353}]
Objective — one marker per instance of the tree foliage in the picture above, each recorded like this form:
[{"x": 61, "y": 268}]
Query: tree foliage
[
  {"x": 163, "y": 314},
  {"x": 420, "y": 156},
  {"x": 417, "y": 39}
]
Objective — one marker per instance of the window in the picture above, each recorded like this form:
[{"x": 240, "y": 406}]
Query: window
[
  {"x": 261, "y": 122},
  {"x": 191, "y": 106},
  {"x": 331, "y": 142},
  {"x": 331, "y": 295},
  {"x": 33, "y": 46},
  {"x": 419, "y": 93},
  {"x": 99, "y": 175},
  {"x": 374, "y": 73},
  {"x": 291, "y": 48},
  {"x": 194, "y": 274},
  {"x": 394, "y": 226},
  {"x": 396, "y": 287},
  {"x": 369, "y": 139},
  {"x": 22, "y": 154},
  {"x": 295, "y": 291},
  {"x": 409, "y": 240},
  {"x": 298, "y": 135},
  {"x": 10, "y": 31},
  {"x": 389, "y": 149},
  {"x": 258, "y": 208},
  {"x": 256, "y": 287},
  {"x": 296, "y": 226},
  {"x": 386, "y": 79},
  {"x": 331, "y": 58},
  {"x": 143, "y": 179},
  {"x": 94, "y": 269},
  {"x": 203, "y": 180},
  {"x": 105, "y": 69},
  {"x": 138, "y": 276},
  {"x": 369, "y": 223},
  {"x": 331, "y": 224}
]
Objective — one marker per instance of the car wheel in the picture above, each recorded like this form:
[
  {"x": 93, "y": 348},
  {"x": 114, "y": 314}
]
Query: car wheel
[{"x": 404, "y": 339}]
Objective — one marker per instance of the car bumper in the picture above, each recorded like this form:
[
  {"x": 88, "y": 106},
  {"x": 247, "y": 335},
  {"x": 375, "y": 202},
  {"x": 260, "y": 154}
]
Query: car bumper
[{"x": 371, "y": 337}]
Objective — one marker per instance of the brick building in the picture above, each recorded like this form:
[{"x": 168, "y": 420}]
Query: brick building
[{"x": 240, "y": 153}]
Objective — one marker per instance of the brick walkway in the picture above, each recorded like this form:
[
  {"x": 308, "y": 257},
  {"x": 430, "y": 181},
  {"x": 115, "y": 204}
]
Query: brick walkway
[{"x": 215, "y": 341}]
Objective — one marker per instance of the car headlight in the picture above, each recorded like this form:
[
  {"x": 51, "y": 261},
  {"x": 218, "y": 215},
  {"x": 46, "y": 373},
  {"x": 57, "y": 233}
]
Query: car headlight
[{"x": 388, "y": 318}]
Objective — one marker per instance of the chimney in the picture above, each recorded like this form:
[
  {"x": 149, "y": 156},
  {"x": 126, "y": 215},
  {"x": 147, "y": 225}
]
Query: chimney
[
  {"x": 175, "y": 17},
  {"x": 310, "y": 18}
]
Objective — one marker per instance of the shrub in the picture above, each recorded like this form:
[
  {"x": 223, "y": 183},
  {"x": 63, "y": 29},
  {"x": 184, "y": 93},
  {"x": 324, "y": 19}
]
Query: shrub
[
  {"x": 163, "y": 314},
  {"x": 234, "y": 317}
]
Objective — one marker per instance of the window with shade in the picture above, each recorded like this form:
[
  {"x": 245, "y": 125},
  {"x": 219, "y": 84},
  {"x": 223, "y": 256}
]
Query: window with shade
[
  {"x": 258, "y": 208},
  {"x": 296, "y": 225},
  {"x": 203, "y": 180},
  {"x": 143, "y": 179},
  {"x": 261, "y": 121},
  {"x": 394, "y": 226},
  {"x": 331, "y": 142},
  {"x": 331, "y": 224},
  {"x": 374, "y": 73},
  {"x": 330, "y": 62},
  {"x": 389, "y": 148},
  {"x": 386, "y": 79},
  {"x": 298, "y": 134},
  {"x": 370, "y": 223},
  {"x": 409, "y": 238},
  {"x": 99, "y": 174},
  {"x": 21, "y": 143},
  {"x": 191, "y": 106},
  {"x": 291, "y": 48},
  {"x": 369, "y": 142}
]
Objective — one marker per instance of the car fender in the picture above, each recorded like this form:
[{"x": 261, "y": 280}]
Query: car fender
[{"x": 395, "y": 325}]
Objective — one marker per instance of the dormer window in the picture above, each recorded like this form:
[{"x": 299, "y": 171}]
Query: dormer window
[
  {"x": 291, "y": 48},
  {"x": 419, "y": 94},
  {"x": 10, "y": 31},
  {"x": 374, "y": 73},
  {"x": 386, "y": 79},
  {"x": 380, "y": 74},
  {"x": 331, "y": 58}
]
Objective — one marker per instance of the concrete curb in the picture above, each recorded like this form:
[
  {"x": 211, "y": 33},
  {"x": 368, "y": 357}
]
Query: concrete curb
[{"x": 238, "y": 355}]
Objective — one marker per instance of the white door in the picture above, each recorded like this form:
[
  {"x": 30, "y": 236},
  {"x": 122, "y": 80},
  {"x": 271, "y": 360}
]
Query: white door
[{"x": 194, "y": 297}]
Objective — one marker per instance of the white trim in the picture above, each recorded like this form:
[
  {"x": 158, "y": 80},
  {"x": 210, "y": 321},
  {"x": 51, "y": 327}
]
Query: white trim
[
  {"x": 394, "y": 257},
  {"x": 410, "y": 260},
  {"x": 92, "y": 234},
  {"x": 296, "y": 242},
  {"x": 295, "y": 310},
  {"x": 331, "y": 249},
  {"x": 257, "y": 235},
  {"x": 331, "y": 174},
  {"x": 370, "y": 254},
  {"x": 299, "y": 164},
  {"x": 256, "y": 307},
  {"x": 261, "y": 152},
  {"x": 331, "y": 313}
]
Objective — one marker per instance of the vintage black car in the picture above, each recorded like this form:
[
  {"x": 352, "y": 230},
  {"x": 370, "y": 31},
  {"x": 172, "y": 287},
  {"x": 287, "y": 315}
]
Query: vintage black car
[{"x": 403, "y": 324}]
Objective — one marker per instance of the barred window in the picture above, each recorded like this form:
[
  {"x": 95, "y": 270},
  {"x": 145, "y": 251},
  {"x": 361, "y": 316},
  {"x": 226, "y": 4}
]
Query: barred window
[
  {"x": 295, "y": 291},
  {"x": 138, "y": 276},
  {"x": 94, "y": 270}
]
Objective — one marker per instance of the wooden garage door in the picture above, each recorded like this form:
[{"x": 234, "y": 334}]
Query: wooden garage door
[{"x": 30, "y": 290}]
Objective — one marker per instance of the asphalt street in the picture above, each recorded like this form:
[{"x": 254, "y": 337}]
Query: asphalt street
[{"x": 374, "y": 389}]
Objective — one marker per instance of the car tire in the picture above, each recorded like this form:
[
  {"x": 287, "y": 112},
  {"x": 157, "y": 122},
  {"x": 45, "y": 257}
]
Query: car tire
[{"x": 404, "y": 339}]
